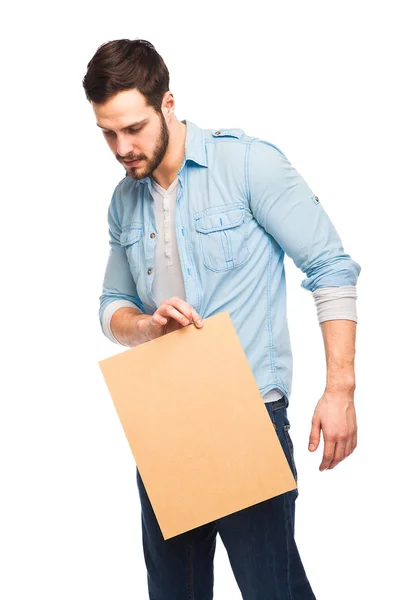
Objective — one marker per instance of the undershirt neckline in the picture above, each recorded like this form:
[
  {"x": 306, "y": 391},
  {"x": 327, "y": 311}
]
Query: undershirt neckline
[{"x": 163, "y": 191}]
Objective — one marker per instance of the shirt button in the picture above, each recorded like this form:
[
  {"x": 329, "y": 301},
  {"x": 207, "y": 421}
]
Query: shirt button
[
  {"x": 316, "y": 199},
  {"x": 217, "y": 133},
  {"x": 149, "y": 271},
  {"x": 152, "y": 235}
]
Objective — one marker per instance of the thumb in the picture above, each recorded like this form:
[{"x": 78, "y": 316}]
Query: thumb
[{"x": 315, "y": 434}]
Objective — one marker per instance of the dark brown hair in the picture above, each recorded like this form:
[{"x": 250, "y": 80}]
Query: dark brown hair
[{"x": 123, "y": 65}]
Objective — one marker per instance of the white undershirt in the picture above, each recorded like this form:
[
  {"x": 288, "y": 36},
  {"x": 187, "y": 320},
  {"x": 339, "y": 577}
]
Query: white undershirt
[
  {"x": 168, "y": 278},
  {"x": 331, "y": 302}
]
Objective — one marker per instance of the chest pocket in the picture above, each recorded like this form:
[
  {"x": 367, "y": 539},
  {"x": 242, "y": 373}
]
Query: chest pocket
[
  {"x": 130, "y": 238},
  {"x": 222, "y": 236}
]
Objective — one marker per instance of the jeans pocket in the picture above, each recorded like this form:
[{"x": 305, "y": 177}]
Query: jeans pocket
[
  {"x": 278, "y": 413},
  {"x": 290, "y": 454},
  {"x": 274, "y": 409}
]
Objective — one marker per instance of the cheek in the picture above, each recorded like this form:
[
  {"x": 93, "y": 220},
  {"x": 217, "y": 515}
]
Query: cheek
[{"x": 147, "y": 144}]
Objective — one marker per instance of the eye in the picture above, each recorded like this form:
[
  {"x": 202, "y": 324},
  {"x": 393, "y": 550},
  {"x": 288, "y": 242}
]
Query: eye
[
  {"x": 108, "y": 133},
  {"x": 135, "y": 130}
]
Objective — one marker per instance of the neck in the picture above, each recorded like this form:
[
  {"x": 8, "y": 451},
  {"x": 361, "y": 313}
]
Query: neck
[{"x": 167, "y": 171}]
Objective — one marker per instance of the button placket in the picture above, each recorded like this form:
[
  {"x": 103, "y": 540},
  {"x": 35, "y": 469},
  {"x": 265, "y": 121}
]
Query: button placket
[
  {"x": 167, "y": 228},
  {"x": 151, "y": 248}
]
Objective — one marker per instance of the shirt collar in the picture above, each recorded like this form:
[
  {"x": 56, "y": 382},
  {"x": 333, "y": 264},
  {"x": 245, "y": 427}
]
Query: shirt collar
[{"x": 195, "y": 148}]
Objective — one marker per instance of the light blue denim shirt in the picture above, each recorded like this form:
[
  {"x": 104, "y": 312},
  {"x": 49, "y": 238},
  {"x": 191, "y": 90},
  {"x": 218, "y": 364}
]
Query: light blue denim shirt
[{"x": 240, "y": 207}]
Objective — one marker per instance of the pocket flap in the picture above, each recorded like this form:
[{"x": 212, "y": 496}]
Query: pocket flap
[
  {"x": 131, "y": 234},
  {"x": 216, "y": 220}
]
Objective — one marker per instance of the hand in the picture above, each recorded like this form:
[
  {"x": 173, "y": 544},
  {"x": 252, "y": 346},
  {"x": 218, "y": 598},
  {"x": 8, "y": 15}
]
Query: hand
[
  {"x": 335, "y": 414},
  {"x": 171, "y": 315}
]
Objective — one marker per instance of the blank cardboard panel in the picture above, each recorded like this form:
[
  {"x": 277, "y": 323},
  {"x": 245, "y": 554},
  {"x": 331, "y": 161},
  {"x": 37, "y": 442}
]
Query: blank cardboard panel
[{"x": 197, "y": 426}]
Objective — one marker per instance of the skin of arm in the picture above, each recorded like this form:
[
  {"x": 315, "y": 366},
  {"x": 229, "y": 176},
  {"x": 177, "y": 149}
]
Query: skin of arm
[{"x": 335, "y": 412}]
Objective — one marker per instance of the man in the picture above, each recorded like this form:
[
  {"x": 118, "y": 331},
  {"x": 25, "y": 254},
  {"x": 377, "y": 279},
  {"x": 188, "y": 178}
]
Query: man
[{"x": 200, "y": 224}]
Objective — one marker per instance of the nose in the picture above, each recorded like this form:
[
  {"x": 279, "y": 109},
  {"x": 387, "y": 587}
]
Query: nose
[{"x": 124, "y": 147}]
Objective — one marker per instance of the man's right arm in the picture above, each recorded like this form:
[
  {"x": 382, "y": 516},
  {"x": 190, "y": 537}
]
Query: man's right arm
[{"x": 130, "y": 327}]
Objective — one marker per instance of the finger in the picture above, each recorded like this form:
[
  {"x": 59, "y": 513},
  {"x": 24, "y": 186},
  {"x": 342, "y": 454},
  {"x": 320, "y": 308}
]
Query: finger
[
  {"x": 190, "y": 313},
  {"x": 354, "y": 441},
  {"x": 196, "y": 318},
  {"x": 167, "y": 310},
  {"x": 315, "y": 434},
  {"x": 339, "y": 453},
  {"x": 329, "y": 453},
  {"x": 159, "y": 320},
  {"x": 173, "y": 326},
  {"x": 349, "y": 447}
]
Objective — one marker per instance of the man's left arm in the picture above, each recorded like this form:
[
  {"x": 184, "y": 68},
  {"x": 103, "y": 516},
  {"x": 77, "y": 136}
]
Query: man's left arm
[
  {"x": 284, "y": 204},
  {"x": 335, "y": 413}
]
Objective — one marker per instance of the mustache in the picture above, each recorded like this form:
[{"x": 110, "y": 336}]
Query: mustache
[{"x": 129, "y": 159}]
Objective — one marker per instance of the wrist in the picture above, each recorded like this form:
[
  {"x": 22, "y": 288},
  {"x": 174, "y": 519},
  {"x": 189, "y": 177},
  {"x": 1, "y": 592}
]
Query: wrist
[
  {"x": 340, "y": 375},
  {"x": 345, "y": 384}
]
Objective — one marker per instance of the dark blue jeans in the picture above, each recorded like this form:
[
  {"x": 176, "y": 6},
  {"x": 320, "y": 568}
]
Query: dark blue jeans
[{"x": 259, "y": 541}]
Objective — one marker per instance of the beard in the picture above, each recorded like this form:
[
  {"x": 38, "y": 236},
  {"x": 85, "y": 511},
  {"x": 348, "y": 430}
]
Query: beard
[{"x": 158, "y": 155}]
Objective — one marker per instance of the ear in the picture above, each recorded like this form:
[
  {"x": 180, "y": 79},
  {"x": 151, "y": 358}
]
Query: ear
[{"x": 169, "y": 106}]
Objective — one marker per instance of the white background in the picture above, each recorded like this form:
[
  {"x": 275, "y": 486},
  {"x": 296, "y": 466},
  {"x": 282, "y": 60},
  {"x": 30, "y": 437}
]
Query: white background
[{"x": 317, "y": 79}]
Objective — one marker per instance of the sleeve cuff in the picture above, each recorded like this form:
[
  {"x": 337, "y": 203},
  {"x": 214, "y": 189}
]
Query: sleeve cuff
[
  {"x": 107, "y": 315},
  {"x": 336, "y": 303}
]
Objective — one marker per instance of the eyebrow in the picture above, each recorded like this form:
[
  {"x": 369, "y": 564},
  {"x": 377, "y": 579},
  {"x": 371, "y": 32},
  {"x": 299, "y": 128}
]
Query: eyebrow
[{"x": 127, "y": 127}]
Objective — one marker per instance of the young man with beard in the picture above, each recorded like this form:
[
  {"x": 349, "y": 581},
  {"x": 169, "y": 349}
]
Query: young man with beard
[{"x": 200, "y": 224}]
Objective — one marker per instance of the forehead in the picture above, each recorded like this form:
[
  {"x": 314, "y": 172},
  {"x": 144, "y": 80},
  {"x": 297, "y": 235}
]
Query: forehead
[{"x": 127, "y": 106}]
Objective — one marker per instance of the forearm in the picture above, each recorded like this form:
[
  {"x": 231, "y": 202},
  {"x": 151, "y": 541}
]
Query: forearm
[
  {"x": 125, "y": 326},
  {"x": 339, "y": 337}
]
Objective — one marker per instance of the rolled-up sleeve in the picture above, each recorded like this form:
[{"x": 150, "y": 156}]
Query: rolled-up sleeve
[
  {"x": 119, "y": 288},
  {"x": 284, "y": 204}
]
